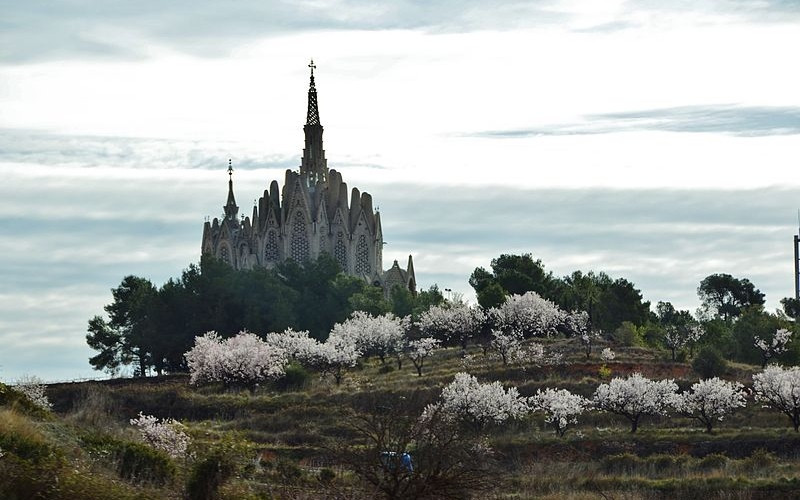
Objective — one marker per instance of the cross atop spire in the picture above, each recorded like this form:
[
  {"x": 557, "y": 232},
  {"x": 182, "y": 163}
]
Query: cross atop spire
[
  {"x": 230, "y": 207},
  {"x": 313, "y": 111}
]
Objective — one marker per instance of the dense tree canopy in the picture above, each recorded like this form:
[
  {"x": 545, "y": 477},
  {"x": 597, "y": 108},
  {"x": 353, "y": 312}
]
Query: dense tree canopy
[
  {"x": 723, "y": 296},
  {"x": 153, "y": 327},
  {"x": 609, "y": 302}
]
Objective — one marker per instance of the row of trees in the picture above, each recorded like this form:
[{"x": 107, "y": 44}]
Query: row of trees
[
  {"x": 480, "y": 405},
  {"x": 151, "y": 328},
  {"x": 731, "y": 318}
]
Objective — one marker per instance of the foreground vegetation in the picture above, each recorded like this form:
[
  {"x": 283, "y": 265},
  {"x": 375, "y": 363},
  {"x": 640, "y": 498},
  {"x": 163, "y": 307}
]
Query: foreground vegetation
[{"x": 302, "y": 436}]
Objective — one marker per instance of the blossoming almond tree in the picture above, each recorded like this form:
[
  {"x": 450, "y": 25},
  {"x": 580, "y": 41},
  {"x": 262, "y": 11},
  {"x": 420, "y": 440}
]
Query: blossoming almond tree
[
  {"x": 560, "y": 407},
  {"x": 336, "y": 356},
  {"x": 507, "y": 345},
  {"x": 478, "y": 405},
  {"x": 299, "y": 346},
  {"x": 528, "y": 315},
  {"x": 34, "y": 389},
  {"x": 635, "y": 396},
  {"x": 770, "y": 349},
  {"x": 677, "y": 337},
  {"x": 607, "y": 354},
  {"x": 379, "y": 335},
  {"x": 710, "y": 400},
  {"x": 166, "y": 435},
  {"x": 456, "y": 322},
  {"x": 419, "y": 350},
  {"x": 779, "y": 388},
  {"x": 244, "y": 360}
]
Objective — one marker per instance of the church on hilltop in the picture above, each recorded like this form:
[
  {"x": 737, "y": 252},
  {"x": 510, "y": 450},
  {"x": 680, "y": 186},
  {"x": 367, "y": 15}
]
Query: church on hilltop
[{"x": 309, "y": 216}]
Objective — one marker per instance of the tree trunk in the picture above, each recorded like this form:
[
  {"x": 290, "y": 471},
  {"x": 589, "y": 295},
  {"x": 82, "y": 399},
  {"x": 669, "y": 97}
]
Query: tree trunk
[{"x": 634, "y": 424}]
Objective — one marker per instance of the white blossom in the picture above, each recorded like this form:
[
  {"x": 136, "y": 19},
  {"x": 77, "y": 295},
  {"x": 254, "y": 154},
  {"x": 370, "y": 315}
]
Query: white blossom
[
  {"x": 166, "y": 435},
  {"x": 456, "y": 322},
  {"x": 478, "y": 405},
  {"x": 607, "y": 354},
  {"x": 419, "y": 350},
  {"x": 298, "y": 345},
  {"x": 560, "y": 407},
  {"x": 378, "y": 335},
  {"x": 777, "y": 346},
  {"x": 243, "y": 360},
  {"x": 577, "y": 322},
  {"x": 635, "y": 396},
  {"x": 528, "y": 315},
  {"x": 507, "y": 345},
  {"x": 337, "y": 355},
  {"x": 677, "y": 337},
  {"x": 779, "y": 388},
  {"x": 710, "y": 400},
  {"x": 33, "y": 388}
]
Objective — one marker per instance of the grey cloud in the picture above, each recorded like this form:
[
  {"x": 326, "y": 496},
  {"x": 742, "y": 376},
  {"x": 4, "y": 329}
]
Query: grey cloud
[
  {"x": 45, "y": 148},
  {"x": 727, "y": 119},
  {"x": 665, "y": 241},
  {"x": 63, "y": 29}
]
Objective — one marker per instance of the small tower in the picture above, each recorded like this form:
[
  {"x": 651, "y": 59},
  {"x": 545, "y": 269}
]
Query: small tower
[
  {"x": 231, "y": 210},
  {"x": 314, "y": 166}
]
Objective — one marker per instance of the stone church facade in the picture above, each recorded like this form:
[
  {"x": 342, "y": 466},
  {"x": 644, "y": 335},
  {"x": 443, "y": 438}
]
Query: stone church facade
[{"x": 312, "y": 214}]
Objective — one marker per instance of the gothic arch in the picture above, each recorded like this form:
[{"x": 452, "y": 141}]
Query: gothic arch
[
  {"x": 299, "y": 239},
  {"x": 363, "y": 266},
  {"x": 340, "y": 251},
  {"x": 271, "y": 254}
]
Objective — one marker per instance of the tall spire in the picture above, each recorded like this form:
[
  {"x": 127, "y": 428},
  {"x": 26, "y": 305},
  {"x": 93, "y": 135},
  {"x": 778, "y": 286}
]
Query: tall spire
[
  {"x": 231, "y": 210},
  {"x": 312, "y": 117},
  {"x": 314, "y": 167}
]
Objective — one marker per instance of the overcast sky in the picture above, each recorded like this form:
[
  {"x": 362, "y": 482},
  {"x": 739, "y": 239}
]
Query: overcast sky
[{"x": 654, "y": 140}]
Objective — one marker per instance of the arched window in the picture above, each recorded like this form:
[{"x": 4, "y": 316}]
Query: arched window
[
  {"x": 340, "y": 251},
  {"x": 362, "y": 256},
  {"x": 224, "y": 254},
  {"x": 271, "y": 247},
  {"x": 299, "y": 244}
]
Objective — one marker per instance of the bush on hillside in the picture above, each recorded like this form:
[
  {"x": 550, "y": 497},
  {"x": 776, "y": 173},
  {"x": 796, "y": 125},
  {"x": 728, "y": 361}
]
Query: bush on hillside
[
  {"x": 133, "y": 461},
  {"x": 709, "y": 363}
]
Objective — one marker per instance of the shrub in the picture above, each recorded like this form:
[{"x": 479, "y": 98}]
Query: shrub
[
  {"x": 132, "y": 461},
  {"x": 208, "y": 474},
  {"x": 670, "y": 464},
  {"x": 295, "y": 378},
  {"x": 627, "y": 334},
  {"x": 33, "y": 388},
  {"x": 166, "y": 435},
  {"x": 326, "y": 475},
  {"x": 19, "y": 436},
  {"x": 709, "y": 363},
  {"x": 11, "y": 397},
  {"x": 288, "y": 470},
  {"x": 219, "y": 462},
  {"x": 623, "y": 463},
  {"x": 712, "y": 461},
  {"x": 760, "y": 459}
]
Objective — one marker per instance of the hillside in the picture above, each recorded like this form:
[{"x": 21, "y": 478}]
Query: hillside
[{"x": 295, "y": 440}]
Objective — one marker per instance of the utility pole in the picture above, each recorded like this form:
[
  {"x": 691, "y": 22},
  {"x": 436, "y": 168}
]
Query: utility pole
[{"x": 797, "y": 259}]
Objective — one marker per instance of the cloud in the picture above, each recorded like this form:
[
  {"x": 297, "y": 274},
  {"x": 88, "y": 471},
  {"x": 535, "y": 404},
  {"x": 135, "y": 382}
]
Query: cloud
[
  {"x": 58, "y": 269},
  {"x": 120, "y": 29},
  {"x": 747, "y": 121}
]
